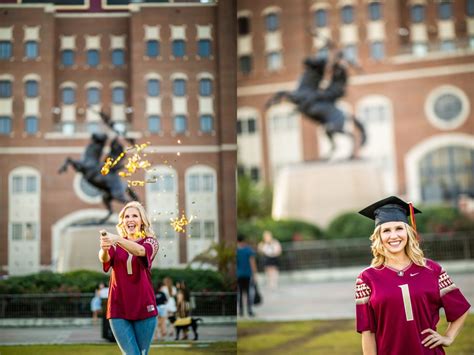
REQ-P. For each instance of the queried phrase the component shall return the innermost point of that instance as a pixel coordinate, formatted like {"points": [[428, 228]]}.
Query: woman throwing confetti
{"points": [[399, 296], [131, 305]]}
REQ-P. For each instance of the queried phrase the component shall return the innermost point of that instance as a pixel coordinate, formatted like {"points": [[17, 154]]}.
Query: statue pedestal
{"points": [[320, 191], [79, 248]]}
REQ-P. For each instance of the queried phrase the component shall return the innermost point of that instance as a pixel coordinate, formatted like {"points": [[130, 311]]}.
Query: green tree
{"points": [[253, 200]]}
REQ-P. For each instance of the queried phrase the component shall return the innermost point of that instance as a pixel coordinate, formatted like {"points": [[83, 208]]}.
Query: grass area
{"points": [[323, 337], [112, 349]]}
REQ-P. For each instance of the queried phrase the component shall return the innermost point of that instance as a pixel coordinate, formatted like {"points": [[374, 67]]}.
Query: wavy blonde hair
{"points": [[146, 229], [412, 249]]}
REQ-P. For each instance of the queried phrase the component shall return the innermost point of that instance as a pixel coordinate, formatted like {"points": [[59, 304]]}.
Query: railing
{"points": [[321, 254], [78, 305]]}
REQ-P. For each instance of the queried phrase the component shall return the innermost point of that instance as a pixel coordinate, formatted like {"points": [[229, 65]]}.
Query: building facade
{"points": [[163, 71], [413, 91]]}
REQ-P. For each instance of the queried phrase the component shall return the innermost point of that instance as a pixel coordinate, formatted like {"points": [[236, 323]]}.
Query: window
{"points": [[93, 96], [17, 184], [195, 228], [67, 57], [375, 11], [5, 49], [245, 64], [31, 49], [240, 170], [320, 18], [206, 123], [31, 88], [152, 48], [180, 124], [446, 173], [243, 24], [118, 57], [31, 184], [271, 22], [17, 231], [30, 231], [239, 126], [347, 14], [68, 128], [204, 48], [69, 96], [31, 124], [448, 107], [209, 229], [445, 10], [419, 49], [205, 87], [118, 95], [154, 124], [164, 183], [470, 8], [274, 61], [179, 87], [350, 53], [5, 88], [153, 87], [179, 48], [417, 13], [377, 50], [447, 46], [251, 125], [255, 174], [5, 125], [93, 127], [93, 57], [207, 183]]}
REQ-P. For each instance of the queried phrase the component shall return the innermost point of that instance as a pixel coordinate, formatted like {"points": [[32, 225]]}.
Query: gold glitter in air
{"points": [[178, 224], [134, 163]]}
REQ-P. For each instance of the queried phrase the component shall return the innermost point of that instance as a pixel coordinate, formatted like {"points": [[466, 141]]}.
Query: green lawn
{"points": [[112, 349], [323, 337]]}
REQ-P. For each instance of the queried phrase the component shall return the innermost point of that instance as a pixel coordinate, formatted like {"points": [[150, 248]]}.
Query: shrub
{"points": [[283, 230], [442, 219], [350, 225], [86, 281]]}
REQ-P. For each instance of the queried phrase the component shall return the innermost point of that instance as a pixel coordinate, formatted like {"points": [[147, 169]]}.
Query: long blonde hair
{"points": [[146, 229], [412, 248]]}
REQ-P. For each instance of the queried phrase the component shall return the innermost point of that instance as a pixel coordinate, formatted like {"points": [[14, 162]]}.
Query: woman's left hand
{"points": [[435, 339]]}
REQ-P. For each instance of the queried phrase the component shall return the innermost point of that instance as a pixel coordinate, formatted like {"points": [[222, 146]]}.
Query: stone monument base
{"points": [[320, 191]]}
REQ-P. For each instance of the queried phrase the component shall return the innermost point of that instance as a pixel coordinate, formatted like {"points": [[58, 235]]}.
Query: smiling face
{"points": [[394, 237], [132, 221]]}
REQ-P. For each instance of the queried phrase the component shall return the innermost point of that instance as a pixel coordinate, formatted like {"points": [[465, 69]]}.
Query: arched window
{"points": [[445, 173], [68, 95], [179, 87], [153, 87], [375, 11], [347, 14], [321, 18], [417, 13], [272, 22]]}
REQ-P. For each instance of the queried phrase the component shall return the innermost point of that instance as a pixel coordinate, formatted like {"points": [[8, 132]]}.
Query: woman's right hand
{"points": [[105, 242]]}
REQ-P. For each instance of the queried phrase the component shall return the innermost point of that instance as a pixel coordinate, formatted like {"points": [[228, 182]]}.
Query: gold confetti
{"points": [[178, 224]]}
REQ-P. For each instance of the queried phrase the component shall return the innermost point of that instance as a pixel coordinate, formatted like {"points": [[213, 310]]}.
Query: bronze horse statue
{"points": [[318, 104], [110, 185]]}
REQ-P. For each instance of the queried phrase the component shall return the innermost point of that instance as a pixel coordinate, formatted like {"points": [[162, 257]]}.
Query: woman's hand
{"points": [[435, 339], [107, 239]]}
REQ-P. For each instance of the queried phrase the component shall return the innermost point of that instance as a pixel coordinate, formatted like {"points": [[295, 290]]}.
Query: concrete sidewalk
{"points": [[92, 334], [329, 294]]}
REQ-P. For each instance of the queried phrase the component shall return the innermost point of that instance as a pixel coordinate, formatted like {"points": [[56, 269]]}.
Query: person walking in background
{"points": [[399, 296], [246, 274], [96, 306], [131, 305], [103, 291], [170, 291], [161, 300], [271, 250]]}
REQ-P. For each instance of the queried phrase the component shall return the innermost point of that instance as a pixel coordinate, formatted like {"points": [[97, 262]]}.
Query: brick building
{"points": [[163, 70], [414, 92]]}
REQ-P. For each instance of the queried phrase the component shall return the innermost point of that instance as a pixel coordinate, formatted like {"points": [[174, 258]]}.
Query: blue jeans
{"points": [[133, 336]]}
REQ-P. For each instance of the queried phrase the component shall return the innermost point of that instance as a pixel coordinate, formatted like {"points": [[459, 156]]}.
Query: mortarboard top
{"points": [[390, 209]]}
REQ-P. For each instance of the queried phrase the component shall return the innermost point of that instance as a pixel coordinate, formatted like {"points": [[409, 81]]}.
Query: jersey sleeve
{"points": [[365, 319], [454, 302], [107, 265], [151, 248]]}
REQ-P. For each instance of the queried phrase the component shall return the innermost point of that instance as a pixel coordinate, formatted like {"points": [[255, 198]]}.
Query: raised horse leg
{"points": [[107, 199]]}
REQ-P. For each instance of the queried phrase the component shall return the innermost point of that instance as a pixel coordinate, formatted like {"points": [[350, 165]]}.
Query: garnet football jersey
{"points": [[131, 294], [398, 306]]}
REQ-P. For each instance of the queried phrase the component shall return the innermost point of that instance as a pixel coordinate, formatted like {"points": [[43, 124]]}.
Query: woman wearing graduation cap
{"points": [[399, 296]]}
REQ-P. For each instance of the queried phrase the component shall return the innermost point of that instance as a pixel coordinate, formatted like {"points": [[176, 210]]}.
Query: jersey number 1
{"points": [[407, 301]]}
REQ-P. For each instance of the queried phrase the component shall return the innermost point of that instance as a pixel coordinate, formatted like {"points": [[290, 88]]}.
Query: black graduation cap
{"points": [[390, 209]]}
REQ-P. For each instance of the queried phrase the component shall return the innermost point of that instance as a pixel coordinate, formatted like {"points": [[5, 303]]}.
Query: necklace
{"points": [[398, 271]]}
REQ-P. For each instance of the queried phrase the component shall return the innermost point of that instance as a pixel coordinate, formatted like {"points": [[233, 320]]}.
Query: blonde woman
{"points": [[131, 306], [399, 296]]}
